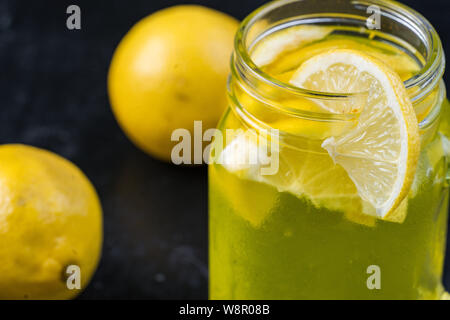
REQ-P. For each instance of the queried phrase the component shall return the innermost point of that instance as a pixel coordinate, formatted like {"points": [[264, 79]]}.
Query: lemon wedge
{"points": [[380, 154]]}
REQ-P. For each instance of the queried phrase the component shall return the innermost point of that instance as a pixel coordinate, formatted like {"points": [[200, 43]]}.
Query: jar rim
{"points": [[428, 78]]}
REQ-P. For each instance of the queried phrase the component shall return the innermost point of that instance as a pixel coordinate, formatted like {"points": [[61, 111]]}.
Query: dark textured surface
{"points": [[53, 95]]}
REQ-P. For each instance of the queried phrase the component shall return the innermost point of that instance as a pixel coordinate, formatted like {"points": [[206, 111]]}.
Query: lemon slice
{"points": [[303, 174], [274, 45], [380, 154]]}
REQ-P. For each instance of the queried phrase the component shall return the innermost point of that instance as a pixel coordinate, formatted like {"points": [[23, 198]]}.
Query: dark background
{"points": [[53, 95]]}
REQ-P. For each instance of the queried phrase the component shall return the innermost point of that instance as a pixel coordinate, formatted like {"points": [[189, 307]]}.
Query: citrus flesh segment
{"points": [[288, 62], [380, 154], [276, 44]]}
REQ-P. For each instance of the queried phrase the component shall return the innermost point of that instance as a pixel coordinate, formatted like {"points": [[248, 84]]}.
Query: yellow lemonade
{"points": [[305, 232]]}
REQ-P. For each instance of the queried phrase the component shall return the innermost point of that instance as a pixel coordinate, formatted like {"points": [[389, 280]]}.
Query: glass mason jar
{"points": [[302, 232]]}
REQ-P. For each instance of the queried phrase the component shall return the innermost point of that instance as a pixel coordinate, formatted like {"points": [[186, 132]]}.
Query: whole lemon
{"points": [[50, 219], [170, 70]]}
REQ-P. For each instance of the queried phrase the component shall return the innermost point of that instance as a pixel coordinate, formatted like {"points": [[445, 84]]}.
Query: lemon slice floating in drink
{"points": [[380, 154]]}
